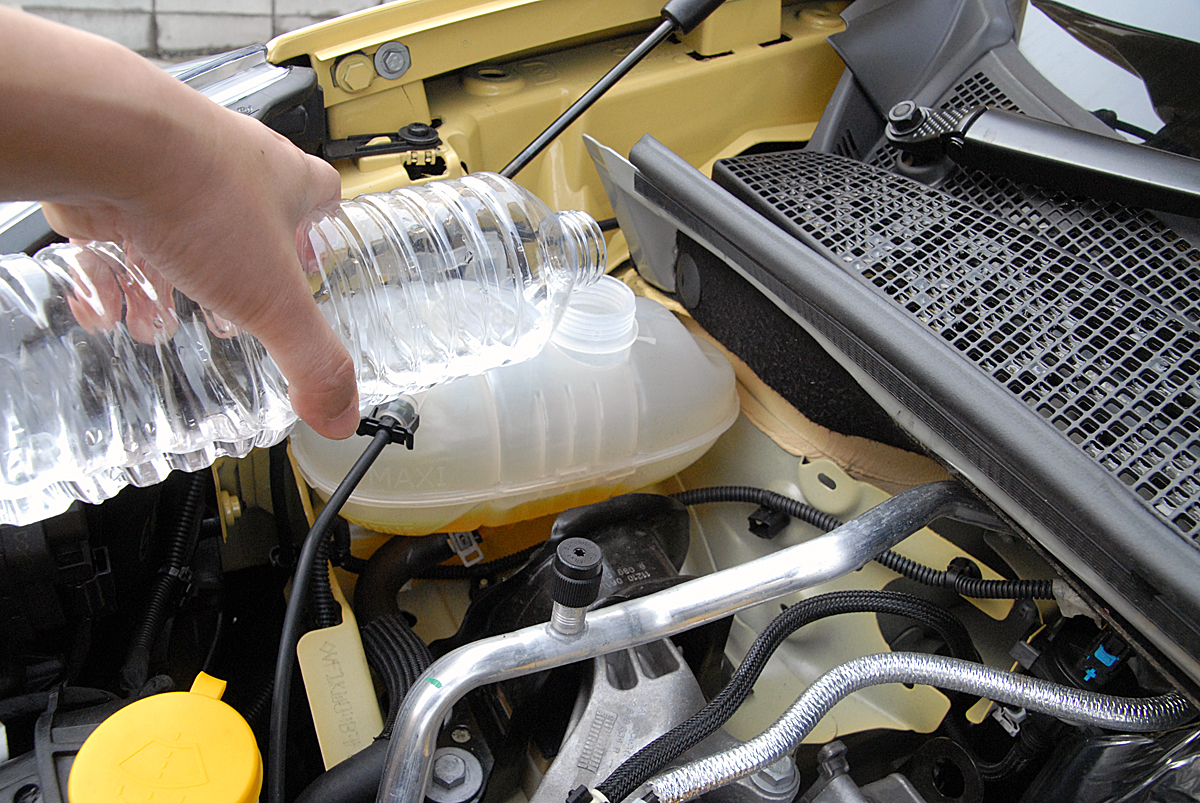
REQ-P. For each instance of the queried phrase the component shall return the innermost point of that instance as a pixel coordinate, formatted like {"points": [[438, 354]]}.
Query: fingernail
{"points": [[346, 423]]}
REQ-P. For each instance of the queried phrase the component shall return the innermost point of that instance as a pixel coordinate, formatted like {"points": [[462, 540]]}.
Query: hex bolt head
{"points": [[392, 60], [779, 778], [353, 73], [449, 771], [906, 116], [395, 61], [457, 776]]}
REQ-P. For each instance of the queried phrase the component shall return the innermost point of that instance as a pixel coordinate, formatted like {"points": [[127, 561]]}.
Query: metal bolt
{"points": [[392, 60], [779, 777], [457, 775], [906, 116], [395, 61], [449, 771], [460, 735], [353, 73]]}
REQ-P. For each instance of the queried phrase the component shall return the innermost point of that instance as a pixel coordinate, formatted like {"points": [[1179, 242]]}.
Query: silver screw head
{"points": [[449, 771], [778, 778], [392, 59]]}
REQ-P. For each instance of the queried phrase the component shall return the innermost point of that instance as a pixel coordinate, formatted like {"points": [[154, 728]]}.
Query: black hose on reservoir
{"points": [[638, 768], [273, 791], [959, 583], [400, 559], [477, 571]]}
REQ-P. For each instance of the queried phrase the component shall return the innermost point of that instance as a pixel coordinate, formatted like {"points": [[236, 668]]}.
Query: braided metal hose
{"points": [[1082, 707]]}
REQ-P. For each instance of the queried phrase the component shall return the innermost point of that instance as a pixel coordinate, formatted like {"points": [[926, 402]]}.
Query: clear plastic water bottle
{"points": [[107, 377]]}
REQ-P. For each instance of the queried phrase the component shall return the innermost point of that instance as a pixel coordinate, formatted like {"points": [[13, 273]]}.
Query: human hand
{"points": [[221, 226]]}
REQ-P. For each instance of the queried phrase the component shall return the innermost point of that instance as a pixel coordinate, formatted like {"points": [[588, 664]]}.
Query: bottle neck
{"points": [[583, 248]]}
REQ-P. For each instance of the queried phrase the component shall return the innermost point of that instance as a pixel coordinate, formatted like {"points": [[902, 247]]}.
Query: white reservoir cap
{"points": [[599, 319]]}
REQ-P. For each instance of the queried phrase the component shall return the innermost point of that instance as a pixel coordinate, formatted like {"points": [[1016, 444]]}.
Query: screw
{"points": [[449, 771], [906, 117], [779, 777], [395, 61], [353, 73], [392, 60], [460, 735]]}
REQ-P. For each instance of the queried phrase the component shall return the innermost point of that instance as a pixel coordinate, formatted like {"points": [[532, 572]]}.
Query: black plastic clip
{"points": [[768, 523], [399, 418], [412, 137]]}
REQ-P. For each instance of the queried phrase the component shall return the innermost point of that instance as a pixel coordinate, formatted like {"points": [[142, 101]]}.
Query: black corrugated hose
{"points": [[959, 583], [638, 768], [326, 611], [181, 548], [398, 655], [963, 584], [760, 496]]}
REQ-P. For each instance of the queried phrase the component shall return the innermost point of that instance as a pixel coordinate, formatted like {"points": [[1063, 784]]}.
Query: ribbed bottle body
{"points": [[446, 279], [109, 377]]}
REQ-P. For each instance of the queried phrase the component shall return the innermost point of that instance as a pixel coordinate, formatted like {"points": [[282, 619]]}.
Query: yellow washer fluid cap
{"points": [[178, 747]]}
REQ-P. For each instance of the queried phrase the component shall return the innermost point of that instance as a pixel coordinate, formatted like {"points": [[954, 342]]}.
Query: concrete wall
{"points": [[172, 28]]}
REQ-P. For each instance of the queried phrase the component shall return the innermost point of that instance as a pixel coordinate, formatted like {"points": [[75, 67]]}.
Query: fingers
{"points": [[319, 370]]}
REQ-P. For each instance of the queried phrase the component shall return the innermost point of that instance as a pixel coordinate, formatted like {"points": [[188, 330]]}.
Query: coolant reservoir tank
{"points": [[622, 397], [179, 746]]}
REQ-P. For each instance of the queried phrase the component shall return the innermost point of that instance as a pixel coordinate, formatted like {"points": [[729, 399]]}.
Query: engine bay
{"points": [[885, 491]]}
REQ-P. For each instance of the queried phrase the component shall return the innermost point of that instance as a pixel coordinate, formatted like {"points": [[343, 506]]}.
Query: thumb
{"points": [[319, 370]]}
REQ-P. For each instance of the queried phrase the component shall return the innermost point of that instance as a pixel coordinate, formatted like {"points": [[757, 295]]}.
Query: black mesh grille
{"points": [[1131, 244], [1106, 350]]}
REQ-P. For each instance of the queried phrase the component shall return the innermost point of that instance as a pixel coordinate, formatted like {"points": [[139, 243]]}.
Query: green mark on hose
{"points": [[437, 684]]}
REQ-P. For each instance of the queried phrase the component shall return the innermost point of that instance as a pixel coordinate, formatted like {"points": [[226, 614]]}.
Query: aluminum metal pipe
{"points": [[685, 606]]}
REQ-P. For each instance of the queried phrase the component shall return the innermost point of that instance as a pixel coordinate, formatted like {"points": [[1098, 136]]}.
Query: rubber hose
{"points": [[1028, 745], [68, 697], [967, 586], [1143, 715], [181, 546], [397, 654], [639, 767], [760, 496], [279, 470], [960, 584], [481, 570], [395, 563], [352, 780], [326, 611]]}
